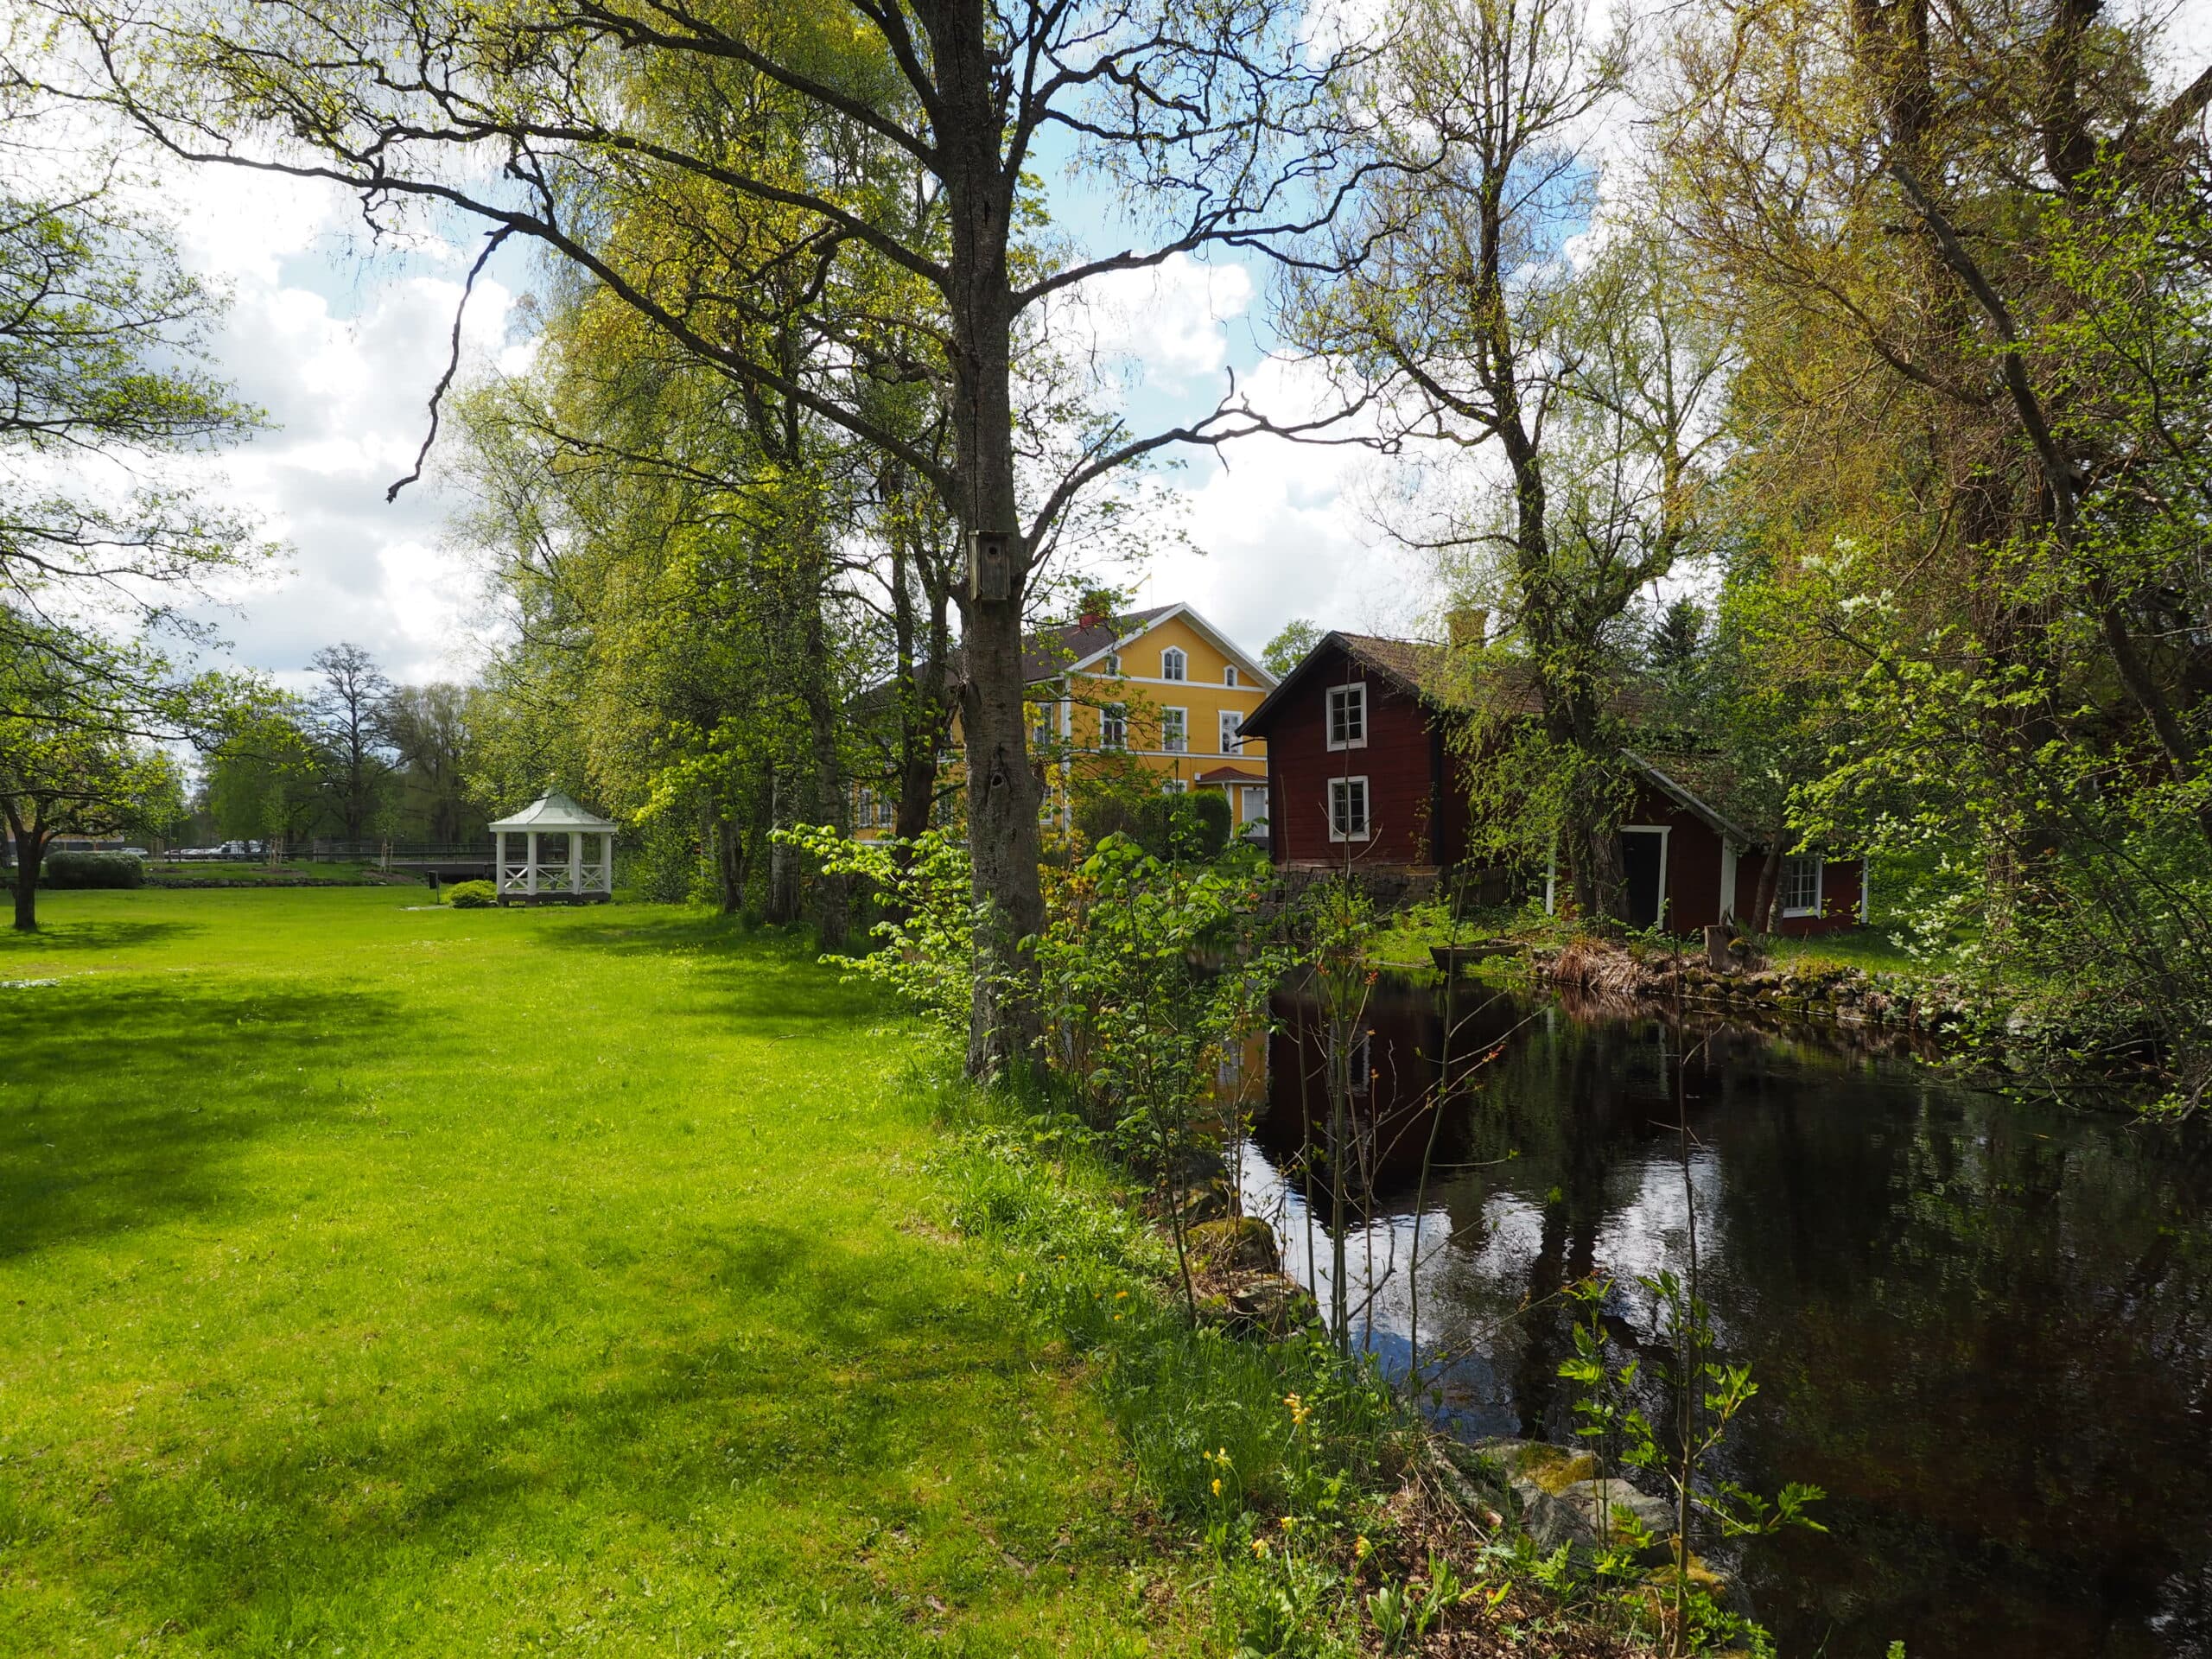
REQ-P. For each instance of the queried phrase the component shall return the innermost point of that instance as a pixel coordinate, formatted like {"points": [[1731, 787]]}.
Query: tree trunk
{"points": [[832, 893], [1002, 840], [1770, 891], [30, 854], [783, 903]]}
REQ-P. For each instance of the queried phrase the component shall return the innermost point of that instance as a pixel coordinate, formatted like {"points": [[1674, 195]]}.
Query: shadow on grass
{"points": [[123, 1100], [53, 938], [762, 977], [834, 1381]]}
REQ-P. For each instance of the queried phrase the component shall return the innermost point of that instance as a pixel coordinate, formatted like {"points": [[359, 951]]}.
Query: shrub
{"points": [[92, 870], [471, 895]]}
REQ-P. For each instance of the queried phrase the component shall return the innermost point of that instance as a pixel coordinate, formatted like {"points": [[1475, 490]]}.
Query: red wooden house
{"points": [[1361, 773]]}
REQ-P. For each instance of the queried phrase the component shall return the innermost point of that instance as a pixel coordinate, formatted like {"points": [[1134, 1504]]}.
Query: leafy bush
{"points": [[471, 895], [662, 860], [1191, 827], [92, 870]]}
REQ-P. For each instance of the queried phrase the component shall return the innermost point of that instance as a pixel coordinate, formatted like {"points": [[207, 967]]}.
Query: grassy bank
{"points": [[432, 1281]]}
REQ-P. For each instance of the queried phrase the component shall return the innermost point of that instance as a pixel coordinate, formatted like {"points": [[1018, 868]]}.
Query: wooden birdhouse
{"points": [[990, 565]]}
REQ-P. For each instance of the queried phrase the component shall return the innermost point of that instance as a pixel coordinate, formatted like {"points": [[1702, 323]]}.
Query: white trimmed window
{"points": [[887, 812], [1348, 716], [867, 814], [1348, 809], [1256, 802], [1114, 727], [1801, 886], [1048, 729], [1175, 730], [1175, 787], [1173, 664], [1232, 732], [1114, 662], [1229, 675]]}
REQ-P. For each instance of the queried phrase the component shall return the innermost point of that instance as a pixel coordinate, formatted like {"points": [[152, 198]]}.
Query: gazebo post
{"points": [[530, 882], [575, 863], [499, 865]]}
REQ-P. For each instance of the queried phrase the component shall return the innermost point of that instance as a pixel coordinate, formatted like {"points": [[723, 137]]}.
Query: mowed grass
{"points": [[389, 1281]]}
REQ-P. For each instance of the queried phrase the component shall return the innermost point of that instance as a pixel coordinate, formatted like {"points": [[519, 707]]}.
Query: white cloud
{"points": [[1170, 320], [1280, 531], [341, 345]]}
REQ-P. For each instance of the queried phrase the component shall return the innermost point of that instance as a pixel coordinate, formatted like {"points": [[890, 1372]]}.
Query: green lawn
{"points": [[481, 1282]]}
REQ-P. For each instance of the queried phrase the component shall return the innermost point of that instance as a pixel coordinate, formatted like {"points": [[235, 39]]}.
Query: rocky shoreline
{"points": [[1844, 995]]}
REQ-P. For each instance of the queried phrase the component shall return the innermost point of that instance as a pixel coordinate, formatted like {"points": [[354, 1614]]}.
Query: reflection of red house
{"points": [[1361, 773]]}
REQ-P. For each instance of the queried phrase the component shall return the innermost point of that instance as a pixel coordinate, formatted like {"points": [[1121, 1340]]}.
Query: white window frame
{"points": [[1346, 697], [1178, 741], [1232, 733], [1114, 726], [1175, 787], [1113, 663], [1175, 664], [1366, 830], [1245, 793], [1229, 675], [1819, 883]]}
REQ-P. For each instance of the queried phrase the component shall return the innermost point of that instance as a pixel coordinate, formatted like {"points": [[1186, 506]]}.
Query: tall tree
{"points": [[1590, 390], [349, 712], [74, 759], [429, 729], [818, 153]]}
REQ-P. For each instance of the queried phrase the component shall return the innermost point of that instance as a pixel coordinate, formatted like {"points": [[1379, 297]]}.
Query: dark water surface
{"points": [[1984, 1327]]}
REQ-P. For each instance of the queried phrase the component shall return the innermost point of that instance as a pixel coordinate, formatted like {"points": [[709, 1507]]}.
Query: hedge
{"points": [[92, 870]]}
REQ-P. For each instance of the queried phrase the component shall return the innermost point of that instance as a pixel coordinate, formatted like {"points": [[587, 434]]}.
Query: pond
{"points": [[1984, 1327]]}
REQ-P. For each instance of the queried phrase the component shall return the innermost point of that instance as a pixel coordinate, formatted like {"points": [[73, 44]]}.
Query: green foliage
{"points": [[1288, 648], [471, 895], [1709, 1395], [926, 954], [92, 870]]}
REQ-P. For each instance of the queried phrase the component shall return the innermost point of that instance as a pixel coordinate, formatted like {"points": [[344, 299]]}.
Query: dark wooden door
{"points": [[1643, 865]]}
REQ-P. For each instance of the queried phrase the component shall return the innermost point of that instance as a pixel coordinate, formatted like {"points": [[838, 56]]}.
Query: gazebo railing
{"points": [[574, 872]]}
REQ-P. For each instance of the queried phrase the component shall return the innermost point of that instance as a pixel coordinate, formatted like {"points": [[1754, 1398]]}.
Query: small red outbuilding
{"points": [[1362, 773]]}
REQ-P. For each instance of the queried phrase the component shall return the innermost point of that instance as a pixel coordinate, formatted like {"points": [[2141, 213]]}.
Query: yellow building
{"points": [[1163, 690]]}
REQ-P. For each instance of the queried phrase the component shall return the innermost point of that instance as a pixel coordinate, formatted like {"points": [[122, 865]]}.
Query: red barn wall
{"points": [[1840, 886], [1395, 762]]}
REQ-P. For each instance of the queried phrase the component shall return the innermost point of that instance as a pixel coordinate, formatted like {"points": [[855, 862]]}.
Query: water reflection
{"points": [[1985, 1328]]}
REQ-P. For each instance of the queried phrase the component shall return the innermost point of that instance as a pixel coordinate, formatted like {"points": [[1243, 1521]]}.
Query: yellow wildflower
{"points": [[1289, 1522], [1120, 1295], [1360, 1548], [1217, 1485], [1260, 1549]]}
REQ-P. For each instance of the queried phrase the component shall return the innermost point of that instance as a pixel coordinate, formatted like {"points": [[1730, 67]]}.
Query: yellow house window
{"points": [[1173, 664]]}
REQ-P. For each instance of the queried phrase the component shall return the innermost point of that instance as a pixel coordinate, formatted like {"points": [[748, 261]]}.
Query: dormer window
{"points": [[1173, 664], [1113, 661], [1229, 675]]}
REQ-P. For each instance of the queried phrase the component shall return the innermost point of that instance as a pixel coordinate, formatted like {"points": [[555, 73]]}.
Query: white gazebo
{"points": [[555, 874]]}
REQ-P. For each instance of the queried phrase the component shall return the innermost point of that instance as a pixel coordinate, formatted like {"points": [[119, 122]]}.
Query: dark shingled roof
{"points": [[1048, 651]]}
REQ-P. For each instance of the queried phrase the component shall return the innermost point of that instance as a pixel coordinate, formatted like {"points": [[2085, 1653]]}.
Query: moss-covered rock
{"points": [[1233, 1244]]}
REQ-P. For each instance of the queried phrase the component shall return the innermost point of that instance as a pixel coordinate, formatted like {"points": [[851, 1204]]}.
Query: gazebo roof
{"points": [[554, 811]]}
